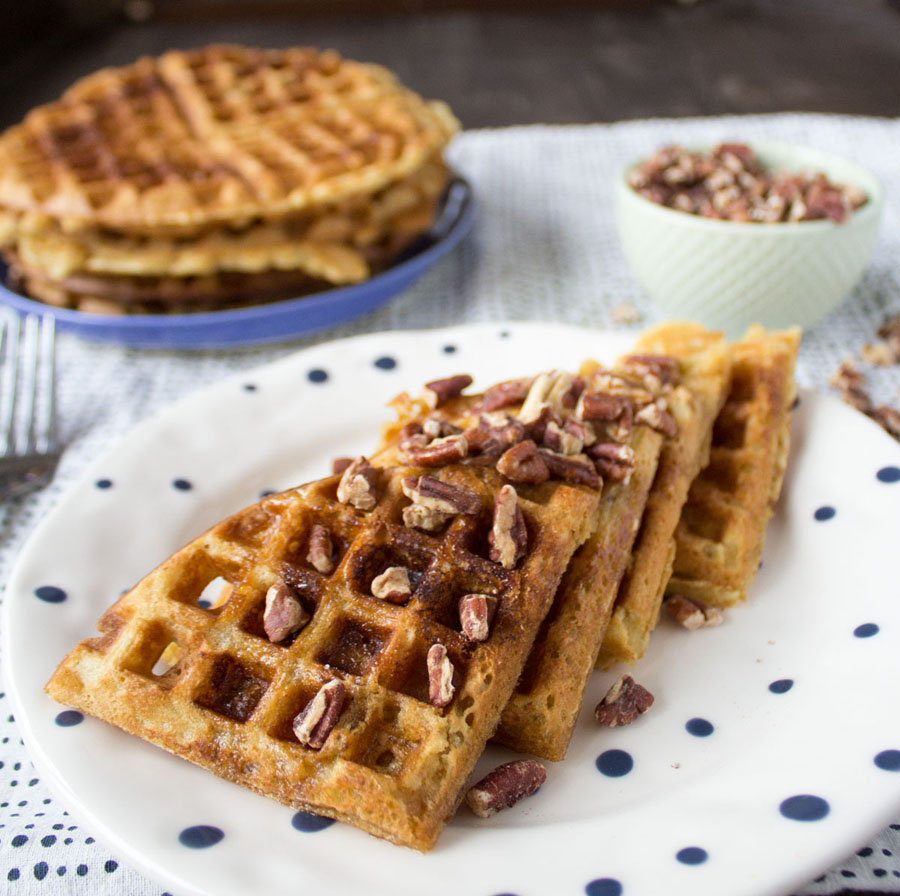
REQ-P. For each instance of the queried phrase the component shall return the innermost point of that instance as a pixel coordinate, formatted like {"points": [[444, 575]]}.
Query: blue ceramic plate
{"points": [[276, 321]]}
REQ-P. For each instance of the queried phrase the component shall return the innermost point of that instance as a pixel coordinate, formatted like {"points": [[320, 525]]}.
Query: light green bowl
{"points": [[727, 274]]}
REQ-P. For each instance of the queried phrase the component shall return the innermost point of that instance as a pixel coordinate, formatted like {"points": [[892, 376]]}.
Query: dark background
{"points": [[498, 62]]}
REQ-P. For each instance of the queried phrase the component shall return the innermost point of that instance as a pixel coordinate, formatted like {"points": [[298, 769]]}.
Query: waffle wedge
{"points": [[407, 730], [705, 370], [722, 528]]}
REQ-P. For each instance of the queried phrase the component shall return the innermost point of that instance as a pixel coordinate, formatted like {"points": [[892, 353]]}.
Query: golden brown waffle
{"points": [[705, 375], [395, 763], [219, 134], [722, 528], [541, 714]]}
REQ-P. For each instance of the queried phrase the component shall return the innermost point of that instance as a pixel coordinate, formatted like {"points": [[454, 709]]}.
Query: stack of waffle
{"points": [[219, 176], [376, 627]]}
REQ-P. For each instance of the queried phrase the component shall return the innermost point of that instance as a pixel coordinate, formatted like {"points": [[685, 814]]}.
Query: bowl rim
{"points": [[873, 189]]}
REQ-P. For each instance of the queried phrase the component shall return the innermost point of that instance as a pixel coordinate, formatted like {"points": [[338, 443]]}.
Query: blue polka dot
{"points": [[310, 823], [40, 870], [110, 866], [692, 855], [19, 840], [49, 840], [888, 474], [449, 349], [249, 387], [13, 874], [614, 763], [504, 334], [879, 872], [183, 485], [604, 886], [888, 760], [200, 836], [804, 807], [317, 375], [69, 717], [386, 363], [699, 727], [61, 870], [824, 513], [81, 870], [781, 686], [866, 630], [865, 852], [103, 483], [51, 594]]}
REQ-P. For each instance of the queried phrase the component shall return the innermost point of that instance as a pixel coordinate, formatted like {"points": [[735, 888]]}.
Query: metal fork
{"points": [[28, 447]]}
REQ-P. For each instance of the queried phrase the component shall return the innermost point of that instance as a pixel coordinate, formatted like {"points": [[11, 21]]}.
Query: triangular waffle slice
{"points": [[722, 528], [704, 368], [425, 580]]}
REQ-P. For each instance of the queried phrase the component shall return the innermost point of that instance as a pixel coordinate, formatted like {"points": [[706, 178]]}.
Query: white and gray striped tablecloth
{"points": [[544, 247]]}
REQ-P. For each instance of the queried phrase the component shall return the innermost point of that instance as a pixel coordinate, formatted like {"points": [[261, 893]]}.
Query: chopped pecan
{"points": [[436, 453], [392, 585], [439, 392], [577, 468], [881, 353], [284, 614], [505, 395], [581, 430], [613, 461], [561, 440], [339, 464], [663, 369], [536, 428], [601, 406], [508, 537], [657, 418], [434, 428], [505, 786], [357, 485], [440, 676], [887, 418], [442, 496], [522, 463], [476, 612], [692, 613], [321, 549], [494, 433], [889, 327], [623, 703], [551, 390], [851, 381], [317, 719]]}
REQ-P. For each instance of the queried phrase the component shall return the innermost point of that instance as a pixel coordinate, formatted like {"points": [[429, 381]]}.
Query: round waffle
{"points": [[217, 134]]}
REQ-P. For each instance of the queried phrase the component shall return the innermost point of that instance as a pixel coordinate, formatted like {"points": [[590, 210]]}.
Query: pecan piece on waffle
{"points": [[505, 395], [392, 585], [613, 461], [576, 469], [476, 612], [601, 406], [656, 417], [435, 428], [562, 440], [551, 390], [494, 433], [691, 613], [317, 719], [358, 484], [339, 464], [321, 549], [523, 463], [505, 786], [439, 392], [435, 501], [623, 703], [662, 369], [436, 452], [440, 676], [284, 614], [581, 430], [508, 537]]}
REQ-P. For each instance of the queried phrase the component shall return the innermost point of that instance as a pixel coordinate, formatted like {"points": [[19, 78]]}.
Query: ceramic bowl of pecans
{"points": [[732, 234]]}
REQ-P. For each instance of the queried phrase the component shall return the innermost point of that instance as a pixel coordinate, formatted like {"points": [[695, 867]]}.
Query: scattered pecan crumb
{"points": [[440, 676], [357, 485], [691, 613], [439, 392], [392, 585], [505, 786], [623, 703], [321, 549], [476, 612], [317, 719], [284, 614]]}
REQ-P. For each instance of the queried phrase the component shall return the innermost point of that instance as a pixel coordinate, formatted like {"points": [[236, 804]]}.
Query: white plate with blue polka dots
{"points": [[771, 752]]}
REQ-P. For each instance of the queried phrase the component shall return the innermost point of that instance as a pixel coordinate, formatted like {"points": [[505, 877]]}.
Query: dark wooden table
{"points": [[612, 62]]}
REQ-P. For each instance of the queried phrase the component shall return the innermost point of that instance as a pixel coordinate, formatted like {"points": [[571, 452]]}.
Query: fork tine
{"points": [[45, 418], [27, 394], [8, 381]]}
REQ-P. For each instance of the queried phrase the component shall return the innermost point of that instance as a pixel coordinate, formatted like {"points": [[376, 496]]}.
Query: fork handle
{"points": [[19, 475]]}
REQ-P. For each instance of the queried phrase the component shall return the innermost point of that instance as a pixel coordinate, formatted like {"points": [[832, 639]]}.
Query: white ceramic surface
{"points": [[831, 735], [728, 274]]}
